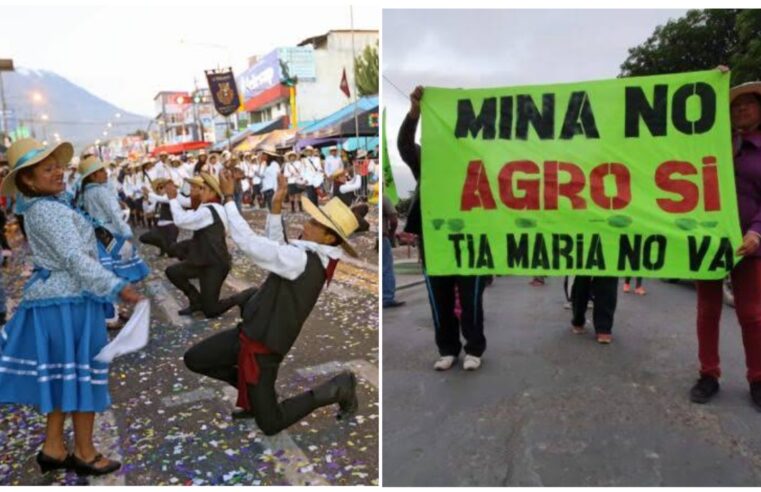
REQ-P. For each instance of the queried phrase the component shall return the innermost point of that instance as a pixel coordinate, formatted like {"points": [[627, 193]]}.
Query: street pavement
{"points": [[171, 426], [551, 408]]}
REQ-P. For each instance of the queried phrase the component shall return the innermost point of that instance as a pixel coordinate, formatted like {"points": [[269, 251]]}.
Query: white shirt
{"points": [[333, 165], [159, 171], [270, 252], [194, 220], [257, 170], [353, 185], [313, 172], [156, 199], [293, 171], [269, 180]]}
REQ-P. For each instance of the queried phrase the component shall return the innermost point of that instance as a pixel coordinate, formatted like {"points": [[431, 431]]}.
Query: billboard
{"points": [[267, 72]]}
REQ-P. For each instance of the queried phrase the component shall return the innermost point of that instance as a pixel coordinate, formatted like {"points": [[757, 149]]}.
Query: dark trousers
{"points": [[210, 279], [441, 294], [217, 357], [268, 198], [605, 292], [311, 193], [180, 250], [163, 237]]}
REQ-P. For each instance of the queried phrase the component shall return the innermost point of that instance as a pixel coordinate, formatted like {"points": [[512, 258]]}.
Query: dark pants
{"points": [[217, 357], [441, 293], [605, 292], [210, 279], [268, 198], [163, 237], [311, 193], [180, 250]]}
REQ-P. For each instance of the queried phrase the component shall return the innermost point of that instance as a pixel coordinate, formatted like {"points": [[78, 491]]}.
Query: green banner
{"points": [[624, 177], [389, 186]]}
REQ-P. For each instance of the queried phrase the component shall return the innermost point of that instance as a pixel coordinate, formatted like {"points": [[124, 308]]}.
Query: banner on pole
{"points": [[223, 90], [624, 177]]}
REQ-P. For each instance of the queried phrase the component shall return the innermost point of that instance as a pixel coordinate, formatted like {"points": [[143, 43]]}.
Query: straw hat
{"points": [[27, 152], [90, 165], [159, 182], [361, 153], [337, 217], [270, 151], [291, 153], [746, 88], [206, 179]]}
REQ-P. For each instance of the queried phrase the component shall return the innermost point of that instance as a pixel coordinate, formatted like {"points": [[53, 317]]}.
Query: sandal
{"points": [[83, 468]]}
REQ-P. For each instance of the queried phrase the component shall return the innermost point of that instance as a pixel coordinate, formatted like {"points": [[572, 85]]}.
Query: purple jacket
{"points": [[747, 150]]}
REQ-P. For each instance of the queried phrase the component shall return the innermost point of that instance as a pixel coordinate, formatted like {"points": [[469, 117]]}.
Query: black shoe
{"points": [[83, 468], [755, 394], [347, 395], [2, 319], [705, 389], [394, 304], [240, 413], [188, 311], [48, 463]]}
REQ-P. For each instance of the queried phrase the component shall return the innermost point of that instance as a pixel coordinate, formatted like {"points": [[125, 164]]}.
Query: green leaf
{"points": [[619, 221], [525, 223], [437, 223], [686, 224], [709, 224], [455, 225]]}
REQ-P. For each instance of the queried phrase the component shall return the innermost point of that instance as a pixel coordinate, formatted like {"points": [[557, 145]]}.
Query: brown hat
{"points": [[337, 217], [27, 152]]}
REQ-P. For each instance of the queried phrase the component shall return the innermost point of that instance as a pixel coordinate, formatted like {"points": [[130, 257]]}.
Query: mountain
{"points": [[74, 113]]}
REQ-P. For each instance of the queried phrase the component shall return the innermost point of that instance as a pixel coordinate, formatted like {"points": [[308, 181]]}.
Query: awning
{"points": [[180, 148], [252, 129], [341, 123], [275, 138]]}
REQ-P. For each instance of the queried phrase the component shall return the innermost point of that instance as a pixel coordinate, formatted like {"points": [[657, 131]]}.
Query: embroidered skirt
{"points": [[46, 356], [132, 269]]}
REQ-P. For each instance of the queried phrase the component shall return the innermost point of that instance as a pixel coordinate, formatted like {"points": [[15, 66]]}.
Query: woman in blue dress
{"points": [[47, 349], [98, 199]]}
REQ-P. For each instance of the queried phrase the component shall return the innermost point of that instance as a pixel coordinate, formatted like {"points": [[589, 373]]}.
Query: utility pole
{"points": [[6, 65]]}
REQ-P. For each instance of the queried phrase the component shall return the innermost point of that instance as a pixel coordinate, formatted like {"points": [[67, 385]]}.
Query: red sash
{"points": [[248, 368]]}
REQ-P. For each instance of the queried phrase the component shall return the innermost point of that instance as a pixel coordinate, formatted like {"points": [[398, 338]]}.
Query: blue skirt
{"points": [[132, 269], [46, 356]]}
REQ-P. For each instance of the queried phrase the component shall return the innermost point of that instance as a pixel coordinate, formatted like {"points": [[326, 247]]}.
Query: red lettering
{"points": [[711, 193], [572, 188], [623, 186], [530, 200], [686, 189], [476, 191]]}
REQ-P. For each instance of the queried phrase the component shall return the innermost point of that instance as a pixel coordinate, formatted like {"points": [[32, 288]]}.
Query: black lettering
{"points": [[629, 252], [637, 106], [579, 119], [505, 117], [484, 253], [596, 258], [517, 253], [543, 123], [697, 254], [540, 259], [456, 238], [658, 242], [564, 250], [723, 260], [468, 122], [471, 252], [707, 108]]}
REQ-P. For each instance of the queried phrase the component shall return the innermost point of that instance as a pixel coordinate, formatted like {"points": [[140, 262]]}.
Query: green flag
{"points": [[624, 177], [389, 187]]}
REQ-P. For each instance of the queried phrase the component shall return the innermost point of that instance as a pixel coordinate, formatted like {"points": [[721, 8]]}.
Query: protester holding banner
{"points": [[249, 356], [50, 343], [390, 223], [745, 114], [604, 291], [441, 289]]}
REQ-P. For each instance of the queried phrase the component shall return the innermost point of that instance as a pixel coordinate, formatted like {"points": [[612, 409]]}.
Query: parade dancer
{"points": [[49, 344], [248, 356], [164, 234], [293, 172], [314, 175], [207, 258], [270, 175], [98, 199]]}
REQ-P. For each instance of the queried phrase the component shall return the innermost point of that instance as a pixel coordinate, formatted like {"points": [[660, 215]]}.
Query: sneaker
{"points": [[604, 338], [640, 291], [471, 362], [755, 394], [444, 363], [578, 330], [394, 304], [705, 389], [627, 288]]}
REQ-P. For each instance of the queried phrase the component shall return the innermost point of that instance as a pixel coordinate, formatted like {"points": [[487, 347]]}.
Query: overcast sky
{"points": [[483, 48], [126, 55]]}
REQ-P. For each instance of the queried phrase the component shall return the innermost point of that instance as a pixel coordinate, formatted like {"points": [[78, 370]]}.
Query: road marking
{"points": [[108, 443], [186, 397], [167, 303], [362, 368], [293, 461]]}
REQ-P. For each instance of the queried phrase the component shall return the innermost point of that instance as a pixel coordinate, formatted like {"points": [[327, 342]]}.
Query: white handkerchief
{"points": [[132, 337]]}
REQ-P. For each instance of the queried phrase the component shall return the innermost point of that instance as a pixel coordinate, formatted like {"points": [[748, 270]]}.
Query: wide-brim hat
{"points": [[145, 162], [291, 153], [90, 165], [159, 182], [213, 183], [309, 147], [27, 152], [270, 151], [746, 88], [202, 152], [337, 217], [361, 153]]}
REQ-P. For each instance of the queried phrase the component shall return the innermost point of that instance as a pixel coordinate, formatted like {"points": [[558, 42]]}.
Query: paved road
{"points": [[171, 426], [551, 408]]}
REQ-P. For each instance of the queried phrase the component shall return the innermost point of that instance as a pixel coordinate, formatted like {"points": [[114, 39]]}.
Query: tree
{"points": [[366, 71], [701, 40]]}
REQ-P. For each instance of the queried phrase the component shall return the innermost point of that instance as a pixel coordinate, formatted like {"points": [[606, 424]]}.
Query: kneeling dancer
{"points": [[249, 355]]}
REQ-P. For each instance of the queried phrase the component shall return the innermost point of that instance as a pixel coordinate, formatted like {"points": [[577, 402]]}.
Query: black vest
{"points": [[165, 213], [276, 314], [208, 246]]}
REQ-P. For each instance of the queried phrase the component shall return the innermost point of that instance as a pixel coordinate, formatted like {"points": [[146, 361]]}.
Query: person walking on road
{"points": [[441, 289], [604, 291], [389, 279], [745, 116]]}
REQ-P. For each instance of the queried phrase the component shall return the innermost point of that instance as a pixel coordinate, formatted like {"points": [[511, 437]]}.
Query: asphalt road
{"points": [[551, 408], [170, 426]]}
